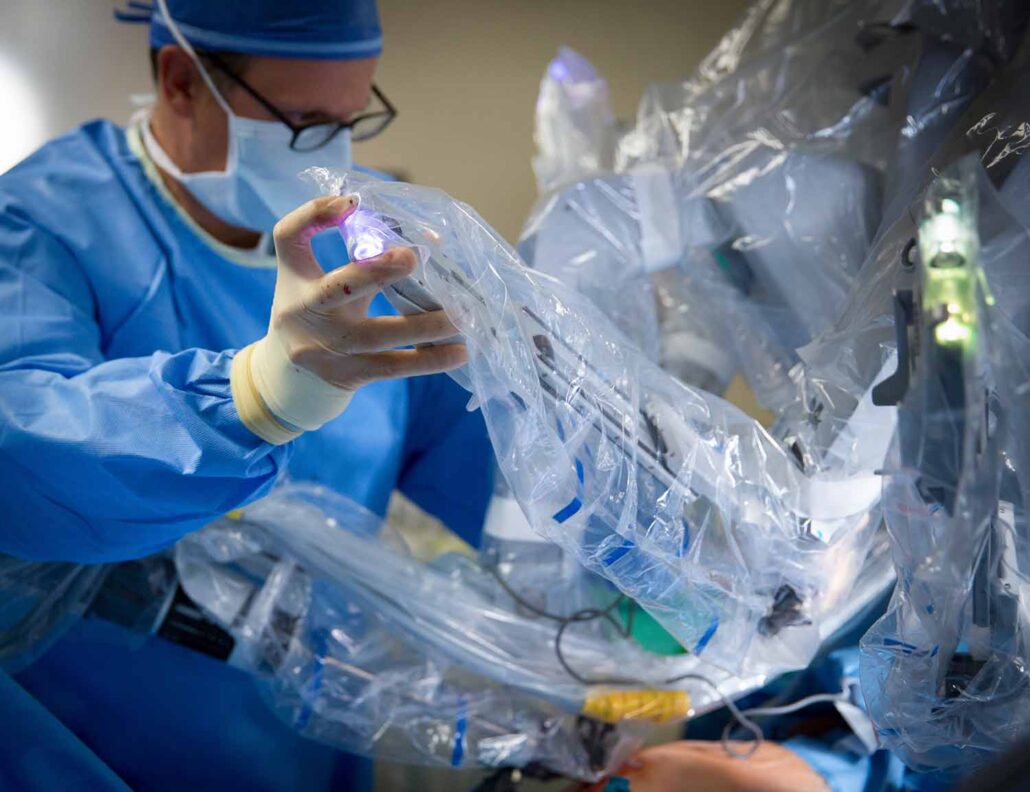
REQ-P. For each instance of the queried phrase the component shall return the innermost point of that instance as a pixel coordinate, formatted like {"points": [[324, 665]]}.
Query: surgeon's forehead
{"points": [[337, 87]]}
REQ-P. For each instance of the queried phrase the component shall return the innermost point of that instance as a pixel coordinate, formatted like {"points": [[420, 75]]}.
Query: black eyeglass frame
{"points": [[388, 114]]}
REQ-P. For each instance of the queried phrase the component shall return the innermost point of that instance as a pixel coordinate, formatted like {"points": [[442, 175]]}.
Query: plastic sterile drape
{"points": [[755, 218], [359, 645], [690, 507], [945, 671], [804, 307], [741, 206]]}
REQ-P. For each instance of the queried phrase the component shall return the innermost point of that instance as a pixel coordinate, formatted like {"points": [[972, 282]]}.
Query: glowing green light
{"points": [[952, 331], [949, 247]]}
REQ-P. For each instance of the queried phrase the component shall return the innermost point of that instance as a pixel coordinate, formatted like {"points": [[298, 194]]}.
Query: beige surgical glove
{"points": [[321, 344]]}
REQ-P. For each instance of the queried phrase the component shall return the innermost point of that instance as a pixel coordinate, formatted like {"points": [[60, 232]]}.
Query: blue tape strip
{"points": [[903, 645], [573, 506], [460, 727], [616, 553], [704, 639], [308, 697], [576, 503]]}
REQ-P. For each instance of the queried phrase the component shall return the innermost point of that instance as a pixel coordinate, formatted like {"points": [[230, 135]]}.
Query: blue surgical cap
{"points": [[325, 29]]}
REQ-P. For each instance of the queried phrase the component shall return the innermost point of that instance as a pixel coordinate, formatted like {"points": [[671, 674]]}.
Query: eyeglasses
{"points": [[309, 137]]}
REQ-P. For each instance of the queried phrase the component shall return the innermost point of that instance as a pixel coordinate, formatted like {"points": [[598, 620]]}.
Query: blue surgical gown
{"points": [[118, 435]]}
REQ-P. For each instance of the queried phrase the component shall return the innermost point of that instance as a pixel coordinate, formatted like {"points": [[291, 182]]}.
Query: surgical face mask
{"points": [[261, 181]]}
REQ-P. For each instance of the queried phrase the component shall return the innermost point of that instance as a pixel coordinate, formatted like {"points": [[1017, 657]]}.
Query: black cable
{"points": [[625, 631], [577, 617], [586, 614]]}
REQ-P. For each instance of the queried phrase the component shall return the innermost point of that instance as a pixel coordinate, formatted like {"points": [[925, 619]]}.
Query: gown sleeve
{"points": [[104, 460]]}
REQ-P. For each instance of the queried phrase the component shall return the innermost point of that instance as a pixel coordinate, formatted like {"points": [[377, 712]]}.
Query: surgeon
{"points": [[171, 345]]}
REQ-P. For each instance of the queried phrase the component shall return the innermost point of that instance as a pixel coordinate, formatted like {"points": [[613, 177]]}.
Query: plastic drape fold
{"points": [[677, 497], [742, 205], [357, 644], [945, 671], [39, 602]]}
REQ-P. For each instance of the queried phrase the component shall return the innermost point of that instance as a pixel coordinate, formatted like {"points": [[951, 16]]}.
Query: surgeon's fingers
{"points": [[360, 279], [292, 234], [407, 363], [351, 372], [389, 332]]}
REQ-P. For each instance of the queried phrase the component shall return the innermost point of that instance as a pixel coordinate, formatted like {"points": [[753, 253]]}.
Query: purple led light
{"points": [[571, 67], [366, 246], [558, 71], [365, 235]]}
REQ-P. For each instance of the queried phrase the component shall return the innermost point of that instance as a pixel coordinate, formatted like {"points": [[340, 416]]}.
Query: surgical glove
{"points": [[321, 345]]}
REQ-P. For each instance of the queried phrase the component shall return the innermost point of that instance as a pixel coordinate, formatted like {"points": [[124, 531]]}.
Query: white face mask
{"points": [[261, 181]]}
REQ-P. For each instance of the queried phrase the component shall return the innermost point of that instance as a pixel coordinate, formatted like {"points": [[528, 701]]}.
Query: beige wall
{"points": [[463, 73]]}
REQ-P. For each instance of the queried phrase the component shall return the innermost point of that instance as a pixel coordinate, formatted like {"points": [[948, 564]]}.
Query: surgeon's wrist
{"points": [[251, 405], [277, 399]]}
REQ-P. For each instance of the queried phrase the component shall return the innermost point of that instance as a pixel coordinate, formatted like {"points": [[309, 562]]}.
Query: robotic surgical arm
{"points": [[944, 671], [683, 502], [742, 543]]}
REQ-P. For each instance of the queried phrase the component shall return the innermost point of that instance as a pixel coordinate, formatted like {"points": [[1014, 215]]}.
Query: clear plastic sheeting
{"points": [[598, 251], [575, 126], [38, 602], [361, 646], [677, 497], [595, 248], [746, 199], [759, 217], [619, 240], [945, 671], [357, 644]]}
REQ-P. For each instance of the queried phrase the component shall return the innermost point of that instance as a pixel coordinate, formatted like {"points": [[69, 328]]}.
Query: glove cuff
{"points": [[251, 406], [298, 399]]}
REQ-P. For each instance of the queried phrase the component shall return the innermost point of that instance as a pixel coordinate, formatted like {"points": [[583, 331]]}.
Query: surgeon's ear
{"points": [[178, 80]]}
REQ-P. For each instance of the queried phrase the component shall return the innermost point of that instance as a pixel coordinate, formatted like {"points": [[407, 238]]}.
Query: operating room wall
{"points": [[463, 74]]}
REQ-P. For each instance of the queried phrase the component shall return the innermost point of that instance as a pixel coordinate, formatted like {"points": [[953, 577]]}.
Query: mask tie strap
{"points": [[173, 28]]}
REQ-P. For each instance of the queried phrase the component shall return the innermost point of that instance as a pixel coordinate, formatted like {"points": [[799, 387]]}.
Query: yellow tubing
{"points": [[658, 706]]}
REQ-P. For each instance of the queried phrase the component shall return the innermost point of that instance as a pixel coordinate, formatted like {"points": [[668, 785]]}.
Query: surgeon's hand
{"points": [[703, 766], [321, 344]]}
